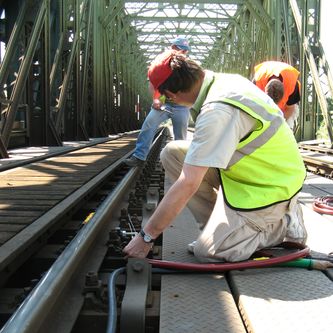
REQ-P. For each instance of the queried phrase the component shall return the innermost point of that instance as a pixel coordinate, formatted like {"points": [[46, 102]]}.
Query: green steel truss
{"points": [[76, 69]]}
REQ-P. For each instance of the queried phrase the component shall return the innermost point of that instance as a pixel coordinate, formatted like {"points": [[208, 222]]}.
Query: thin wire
{"points": [[131, 225]]}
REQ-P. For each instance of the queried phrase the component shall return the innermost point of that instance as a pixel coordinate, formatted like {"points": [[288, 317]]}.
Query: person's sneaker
{"points": [[296, 231], [133, 161], [190, 247]]}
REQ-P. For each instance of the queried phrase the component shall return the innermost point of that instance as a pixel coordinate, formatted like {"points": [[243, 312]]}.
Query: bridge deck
{"points": [[265, 300], [196, 302], [275, 299]]}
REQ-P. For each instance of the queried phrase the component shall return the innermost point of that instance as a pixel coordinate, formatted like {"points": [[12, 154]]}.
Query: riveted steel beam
{"points": [[96, 55], [23, 73]]}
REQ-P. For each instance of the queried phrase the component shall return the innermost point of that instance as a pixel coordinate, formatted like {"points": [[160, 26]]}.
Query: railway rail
{"points": [[58, 221], [318, 159], [40, 197]]}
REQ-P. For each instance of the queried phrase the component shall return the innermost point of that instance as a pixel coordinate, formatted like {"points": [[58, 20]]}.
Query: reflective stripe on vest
{"points": [[276, 121], [257, 142]]}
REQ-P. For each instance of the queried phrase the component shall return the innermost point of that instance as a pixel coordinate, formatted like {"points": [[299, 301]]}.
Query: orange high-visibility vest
{"points": [[264, 71]]}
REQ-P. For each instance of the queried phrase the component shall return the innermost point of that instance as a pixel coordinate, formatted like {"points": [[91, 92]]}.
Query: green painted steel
{"points": [[75, 69]]}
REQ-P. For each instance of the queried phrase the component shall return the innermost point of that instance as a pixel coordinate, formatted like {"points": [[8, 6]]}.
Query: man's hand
{"points": [[137, 248], [157, 104], [170, 206]]}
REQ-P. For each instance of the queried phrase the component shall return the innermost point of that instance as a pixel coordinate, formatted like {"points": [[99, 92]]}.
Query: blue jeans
{"points": [[177, 113]]}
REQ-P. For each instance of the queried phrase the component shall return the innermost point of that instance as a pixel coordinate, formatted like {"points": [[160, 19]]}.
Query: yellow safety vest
{"points": [[266, 167]]}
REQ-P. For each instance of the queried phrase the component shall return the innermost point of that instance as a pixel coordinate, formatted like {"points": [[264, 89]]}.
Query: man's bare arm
{"points": [[170, 206], [289, 110]]}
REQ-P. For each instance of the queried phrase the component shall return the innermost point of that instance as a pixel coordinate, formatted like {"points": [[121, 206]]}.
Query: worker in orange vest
{"points": [[280, 81]]}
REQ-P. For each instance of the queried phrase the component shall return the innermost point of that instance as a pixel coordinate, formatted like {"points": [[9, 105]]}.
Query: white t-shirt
{"points": [[218, 130]]}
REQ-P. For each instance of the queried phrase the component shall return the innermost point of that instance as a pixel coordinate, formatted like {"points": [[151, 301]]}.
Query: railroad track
{"points": [[318, 159], [55, 271], [50, 265], [317, 148]]}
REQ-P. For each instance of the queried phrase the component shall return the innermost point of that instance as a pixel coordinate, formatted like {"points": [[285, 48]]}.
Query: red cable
{"points": [[222, 267], [323, 205]]}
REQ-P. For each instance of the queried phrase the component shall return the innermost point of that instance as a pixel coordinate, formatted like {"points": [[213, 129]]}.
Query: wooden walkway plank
{"points": [[29, 192]]}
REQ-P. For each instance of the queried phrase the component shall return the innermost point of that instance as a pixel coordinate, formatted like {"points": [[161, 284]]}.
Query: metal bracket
{"points": [[150, 205], [133, 308]]}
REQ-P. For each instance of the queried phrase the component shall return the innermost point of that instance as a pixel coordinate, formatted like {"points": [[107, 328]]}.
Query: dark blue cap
{"points": [[181, 43]]}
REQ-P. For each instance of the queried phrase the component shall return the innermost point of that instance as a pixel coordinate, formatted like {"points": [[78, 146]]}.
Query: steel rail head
{"points": [[33, 312]]}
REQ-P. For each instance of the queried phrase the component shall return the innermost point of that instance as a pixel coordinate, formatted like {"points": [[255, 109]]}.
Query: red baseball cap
{"points": [[159, 70]]}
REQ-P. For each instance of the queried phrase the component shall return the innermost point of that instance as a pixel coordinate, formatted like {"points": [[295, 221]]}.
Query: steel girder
{"points": [[24, 72], [78, 67], [317, 83], [74, 75], [123, 69], [234, 36]]}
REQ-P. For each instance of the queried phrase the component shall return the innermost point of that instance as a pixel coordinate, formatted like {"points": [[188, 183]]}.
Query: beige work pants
{"points": [[226, 234]]}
